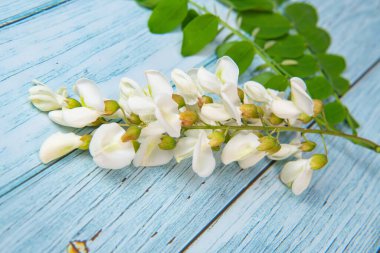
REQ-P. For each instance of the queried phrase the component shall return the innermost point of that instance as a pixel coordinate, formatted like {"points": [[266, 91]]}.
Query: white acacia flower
{"points": [[257, 92], [243, 149], [92, 109], [107, 148], [150, 154], [59, 144], [223, 83], [286, 151], [301, 102], [187, 87], [297, 175], [203, 157], [154, 104], [215, 112], [46, 99]]}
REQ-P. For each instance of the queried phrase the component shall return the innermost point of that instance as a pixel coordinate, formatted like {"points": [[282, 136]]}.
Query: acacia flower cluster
{"points": [[205, 113]]}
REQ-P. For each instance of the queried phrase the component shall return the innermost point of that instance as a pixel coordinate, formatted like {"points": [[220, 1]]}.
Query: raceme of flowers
{"points": [[205, 113]]}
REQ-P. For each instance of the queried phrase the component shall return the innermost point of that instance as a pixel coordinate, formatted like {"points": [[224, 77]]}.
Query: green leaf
{"points": [[277, 82], [263, 77], [254, 5], [148, 3], [317, 39], [319, 87], [303, 15], [292, 46], [265, 25], [167, 15], [241, 52], [305, 67], [198, 33], [335, 112], [340, 84], [191, 14], [332, 65]]}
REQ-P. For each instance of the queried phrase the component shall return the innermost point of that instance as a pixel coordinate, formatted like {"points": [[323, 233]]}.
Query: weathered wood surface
{"points": [[42, 207]]}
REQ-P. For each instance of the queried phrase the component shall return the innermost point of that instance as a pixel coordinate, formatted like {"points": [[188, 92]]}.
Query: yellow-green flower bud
{"points": [[167, 142], [216, 139], [318, 107], [72, 103], [307, 146], [136, 145], [98, 122], [269, 144], [274, 120], [204, 100], [250, 111], [131, 134], [110, 107], [304, 118], [188, 118], [318, 161], [179, 100], [240, 94], [86, 139], [134, 119]]}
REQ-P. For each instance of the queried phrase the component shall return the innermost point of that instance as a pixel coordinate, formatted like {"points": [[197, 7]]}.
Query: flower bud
{"points": [[318, 161], [136, 145], [318, 106], [307, 146], [86, 139], [179, 100], [110, 107], [304, 118], [97, 122], [72, 103], [269, 144], [134, 119], [204, 100], [188, 118], [216, 139], [240, 94], [274, 120], [131, 134], [167, 143], [250, 111]]}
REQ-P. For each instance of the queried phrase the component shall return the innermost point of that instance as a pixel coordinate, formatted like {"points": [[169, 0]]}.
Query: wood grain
{"points": [[338, 213], [42, 208]]}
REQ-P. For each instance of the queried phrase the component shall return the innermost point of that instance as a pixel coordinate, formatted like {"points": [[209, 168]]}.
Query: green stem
{"points": [[268, 60], [358, 140]]}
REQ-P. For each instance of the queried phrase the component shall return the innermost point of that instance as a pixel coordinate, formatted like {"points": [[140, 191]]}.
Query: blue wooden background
{"points": [[169, 208]]}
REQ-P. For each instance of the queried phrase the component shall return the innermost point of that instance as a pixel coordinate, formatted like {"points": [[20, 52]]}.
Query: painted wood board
{"points": [[338, 213], [68, 73]]}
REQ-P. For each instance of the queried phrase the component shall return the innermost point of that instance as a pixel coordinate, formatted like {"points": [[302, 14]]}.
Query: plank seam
{"points": [[266, 168]]}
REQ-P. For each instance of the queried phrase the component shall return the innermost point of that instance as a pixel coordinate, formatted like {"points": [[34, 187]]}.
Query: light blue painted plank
{"points": [[14, 11], [339, 213], [72, 199]]}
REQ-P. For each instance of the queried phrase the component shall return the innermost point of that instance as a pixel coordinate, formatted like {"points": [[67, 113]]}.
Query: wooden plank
{"points": [[339, 213], [158, 208], [15, 11]]}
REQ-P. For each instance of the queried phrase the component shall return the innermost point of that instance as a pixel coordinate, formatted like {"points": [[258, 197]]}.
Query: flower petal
{"points": [[185, 86], [240, 147], [231, 100], [90, 94], [286, 151], [215, 112], [292, 170], [285, 109], [184, 148], [59, 144], [141, 105], [129, 87], [252, 159], [299, 96], [257, 92], [149, 154], [203, 158], [227, 71], [79, 117], [107, 149], [154, 128], [158, 84], [208, 81], [168, 115], [301, 183]]}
